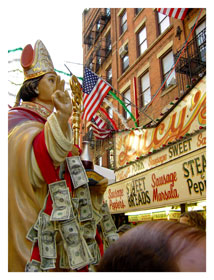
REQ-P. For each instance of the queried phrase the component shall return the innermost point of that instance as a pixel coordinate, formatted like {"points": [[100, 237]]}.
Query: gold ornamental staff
{"points": [[77, 107]]}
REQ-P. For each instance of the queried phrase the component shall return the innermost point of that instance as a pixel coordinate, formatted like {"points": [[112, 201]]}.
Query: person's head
{"points": [[161, 246], [39, 76], [122, 229], [194, 219]]}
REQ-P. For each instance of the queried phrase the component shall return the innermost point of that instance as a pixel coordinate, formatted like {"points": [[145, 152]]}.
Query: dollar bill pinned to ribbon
{"points": [[62, 207], [77, 171]]}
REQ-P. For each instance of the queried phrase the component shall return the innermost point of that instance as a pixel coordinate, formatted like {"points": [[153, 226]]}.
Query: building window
{"points": [[99, 60], [163, 22], [138, 10], [90, 65], [111, 159], [108, 43], [142, 40], [123, 22], [200, 32], [125, 62], [167, 64], [98, 25], [127, 101], [109, 75], [145, 95], [108, 12]]}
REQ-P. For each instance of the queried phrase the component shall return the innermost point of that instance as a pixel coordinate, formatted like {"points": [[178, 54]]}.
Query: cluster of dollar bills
{"points": [[69, 232]]}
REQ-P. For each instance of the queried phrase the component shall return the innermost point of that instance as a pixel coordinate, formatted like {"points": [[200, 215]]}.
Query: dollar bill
{"points": [[97, 216], [85, 206], [112, 237], [32, 234], [104, 210], [89, 229], [46, 240], [75, 203], [47, 264], [33, 266], [108, 225], [36, 225], [95, 251], [74, 244], [85, 212], [62, 207], [63, 261], [77, 171]]}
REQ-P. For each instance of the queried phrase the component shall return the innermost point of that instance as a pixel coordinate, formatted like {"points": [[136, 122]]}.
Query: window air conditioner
{"points": [[123, 50]]}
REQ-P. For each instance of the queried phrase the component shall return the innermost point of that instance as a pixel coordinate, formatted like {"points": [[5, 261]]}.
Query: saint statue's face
{"points": [[46, 87]]}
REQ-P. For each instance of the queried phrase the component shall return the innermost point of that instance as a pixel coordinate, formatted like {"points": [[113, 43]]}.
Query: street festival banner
{"points": [[186, 117], [180, 181]]}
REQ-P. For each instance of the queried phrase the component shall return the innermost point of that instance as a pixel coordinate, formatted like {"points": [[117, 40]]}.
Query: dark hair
{"points": [[27, 91], [195, 219], [151, 247]]}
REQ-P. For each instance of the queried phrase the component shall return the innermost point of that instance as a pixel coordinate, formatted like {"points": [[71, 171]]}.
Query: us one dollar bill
{"points": [[95, 251], [47, 264], [85, 205], [47, 237], [97, 216], [63, 261], [74, 244], [62, 207], [104, 210], [112, 237], [33, 266], [77, 171], [89, 229], [85, 212], [32, 234], [108, 225]]}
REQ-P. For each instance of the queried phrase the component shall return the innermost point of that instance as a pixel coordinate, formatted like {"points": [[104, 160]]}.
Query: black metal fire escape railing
{"points": [[191, 66], [93, 37]]}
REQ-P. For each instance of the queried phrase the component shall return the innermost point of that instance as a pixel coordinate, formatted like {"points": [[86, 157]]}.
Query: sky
{"points": [[57, 23]]}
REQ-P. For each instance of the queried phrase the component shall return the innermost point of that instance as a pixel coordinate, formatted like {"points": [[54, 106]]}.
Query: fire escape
{"points": [[192, 63], [100, 46]]}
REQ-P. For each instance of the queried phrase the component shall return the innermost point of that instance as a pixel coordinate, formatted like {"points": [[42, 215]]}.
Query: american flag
{"points": [[100, 133], [95, 89], [99, 122], [178, 13]]}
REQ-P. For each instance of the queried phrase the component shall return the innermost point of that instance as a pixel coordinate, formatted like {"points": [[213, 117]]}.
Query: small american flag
{"points": [[100, 123], [95, 89], [100, 133], [178, 13]]}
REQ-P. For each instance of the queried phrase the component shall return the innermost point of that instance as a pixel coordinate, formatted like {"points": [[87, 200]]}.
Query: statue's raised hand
{"points": [[62, 103], [61, 98]]}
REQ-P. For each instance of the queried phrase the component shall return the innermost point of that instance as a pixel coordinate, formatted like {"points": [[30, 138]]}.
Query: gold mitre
{"points": [[36, 62]]}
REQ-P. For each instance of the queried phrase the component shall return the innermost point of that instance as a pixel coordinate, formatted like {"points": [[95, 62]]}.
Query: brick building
{"points": [[134, 50]]}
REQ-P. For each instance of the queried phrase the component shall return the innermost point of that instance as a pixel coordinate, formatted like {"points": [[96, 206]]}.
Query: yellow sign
{"points": [[159, 215], [182, 180], [186, 117]]}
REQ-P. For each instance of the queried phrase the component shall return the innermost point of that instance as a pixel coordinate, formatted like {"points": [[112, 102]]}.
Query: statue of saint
{"points": [[40, 139]]}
